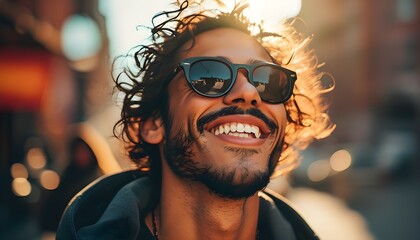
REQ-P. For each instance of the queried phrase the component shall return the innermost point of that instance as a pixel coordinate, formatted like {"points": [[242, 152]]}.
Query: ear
{"points": [[152, 130]]}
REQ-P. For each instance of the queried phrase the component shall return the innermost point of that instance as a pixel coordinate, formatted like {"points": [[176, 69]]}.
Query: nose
{"points": [[243, 92]]}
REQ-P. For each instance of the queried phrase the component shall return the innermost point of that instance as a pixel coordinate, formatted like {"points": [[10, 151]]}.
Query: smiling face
{"points": [[229, 143]]}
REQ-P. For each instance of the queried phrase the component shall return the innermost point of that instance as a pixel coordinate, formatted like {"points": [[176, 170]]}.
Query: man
{"points": [[210, 115]]}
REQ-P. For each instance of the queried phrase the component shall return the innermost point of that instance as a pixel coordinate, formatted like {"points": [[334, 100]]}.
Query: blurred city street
{"points": [[58, 110]]}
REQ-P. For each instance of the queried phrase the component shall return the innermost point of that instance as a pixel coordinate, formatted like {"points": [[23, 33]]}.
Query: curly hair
{"points": [[145, 93]]}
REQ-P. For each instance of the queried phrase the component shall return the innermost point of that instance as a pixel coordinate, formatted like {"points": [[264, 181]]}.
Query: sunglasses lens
{"points": [[210, 78], [271, 83]]}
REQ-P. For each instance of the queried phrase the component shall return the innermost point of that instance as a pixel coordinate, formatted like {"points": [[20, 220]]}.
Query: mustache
{"points": [[233, 110]]}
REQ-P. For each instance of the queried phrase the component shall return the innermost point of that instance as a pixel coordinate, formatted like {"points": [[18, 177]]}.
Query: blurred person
{"points": [[92, 152], [211, 113], [82, 169]]}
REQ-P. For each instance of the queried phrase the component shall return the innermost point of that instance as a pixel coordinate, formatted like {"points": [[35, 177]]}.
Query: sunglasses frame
{"points": [[185, 65]]}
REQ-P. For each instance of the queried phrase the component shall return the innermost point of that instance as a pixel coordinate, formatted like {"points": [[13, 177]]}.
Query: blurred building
{"points": [[53, 75], [372, 49]]}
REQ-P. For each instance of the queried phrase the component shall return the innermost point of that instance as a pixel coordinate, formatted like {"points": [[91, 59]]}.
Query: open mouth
{"points": [[243, 130]]}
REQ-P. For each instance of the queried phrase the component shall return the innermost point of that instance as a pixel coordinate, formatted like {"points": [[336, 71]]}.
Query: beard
{"points": [[228, 182]]}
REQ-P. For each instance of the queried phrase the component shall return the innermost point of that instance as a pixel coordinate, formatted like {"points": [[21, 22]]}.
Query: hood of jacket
{"points": [[112, 208]]}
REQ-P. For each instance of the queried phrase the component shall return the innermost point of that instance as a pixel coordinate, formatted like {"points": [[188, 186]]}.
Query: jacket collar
{"points": [[118, 217]]}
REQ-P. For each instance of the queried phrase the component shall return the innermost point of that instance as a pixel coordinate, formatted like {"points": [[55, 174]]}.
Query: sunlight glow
{"points": [[124, 21], [271, 12]]}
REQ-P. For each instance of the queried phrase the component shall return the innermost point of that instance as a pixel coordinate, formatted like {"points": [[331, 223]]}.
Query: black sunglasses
{"points": [[215, 76]]}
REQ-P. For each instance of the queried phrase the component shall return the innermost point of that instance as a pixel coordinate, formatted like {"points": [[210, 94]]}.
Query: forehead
{"points": [[230, 43]]}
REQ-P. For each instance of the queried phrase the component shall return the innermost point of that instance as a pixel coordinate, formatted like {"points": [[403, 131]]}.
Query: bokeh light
{"points": [[318, 170], [36, 158], [18, 170], [21, 187], [81, 38], [340, 160], [49, 179]]}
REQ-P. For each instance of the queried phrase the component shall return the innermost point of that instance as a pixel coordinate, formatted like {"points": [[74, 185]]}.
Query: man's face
{"points": [[235, 164]]}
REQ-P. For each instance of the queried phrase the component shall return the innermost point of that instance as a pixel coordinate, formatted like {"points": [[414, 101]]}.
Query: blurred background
{"points": [[57, 111]]}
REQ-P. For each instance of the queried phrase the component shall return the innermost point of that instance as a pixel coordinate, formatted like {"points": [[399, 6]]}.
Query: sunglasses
{"points": [[215, 77]]}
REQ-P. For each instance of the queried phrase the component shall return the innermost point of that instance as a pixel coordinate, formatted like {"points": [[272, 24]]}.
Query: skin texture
{"points": [[189, 208]]}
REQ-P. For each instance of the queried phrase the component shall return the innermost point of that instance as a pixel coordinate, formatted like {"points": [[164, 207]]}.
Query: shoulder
{"points": [[271, 201], [111, 197]]}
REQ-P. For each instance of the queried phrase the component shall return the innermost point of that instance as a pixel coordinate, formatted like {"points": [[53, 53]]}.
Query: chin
{"points": [[236, 184]]}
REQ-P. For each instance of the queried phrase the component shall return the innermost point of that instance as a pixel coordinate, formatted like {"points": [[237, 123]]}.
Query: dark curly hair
{"points": [[145, 92]]}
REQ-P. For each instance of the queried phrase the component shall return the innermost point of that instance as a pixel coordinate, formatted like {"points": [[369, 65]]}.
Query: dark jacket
{"points": [[113, 207]]}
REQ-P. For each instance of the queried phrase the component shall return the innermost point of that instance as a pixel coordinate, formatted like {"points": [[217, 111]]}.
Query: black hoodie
{"points": [[114, 207]]}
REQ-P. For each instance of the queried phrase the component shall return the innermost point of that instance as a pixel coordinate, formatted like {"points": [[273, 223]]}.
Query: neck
{"points": [[188, 210]]}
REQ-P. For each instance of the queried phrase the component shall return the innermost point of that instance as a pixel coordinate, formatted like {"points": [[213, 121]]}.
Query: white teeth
{"points": [[247, 128], [227, 128], [233, 127], [238, 130], [240, 127], [255, 130]]}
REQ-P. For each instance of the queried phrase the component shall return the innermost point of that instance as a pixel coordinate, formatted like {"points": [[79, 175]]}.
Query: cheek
{"points": [[186, 106], [283, 118], [177, 97], [279, 114], [184, 110]]}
